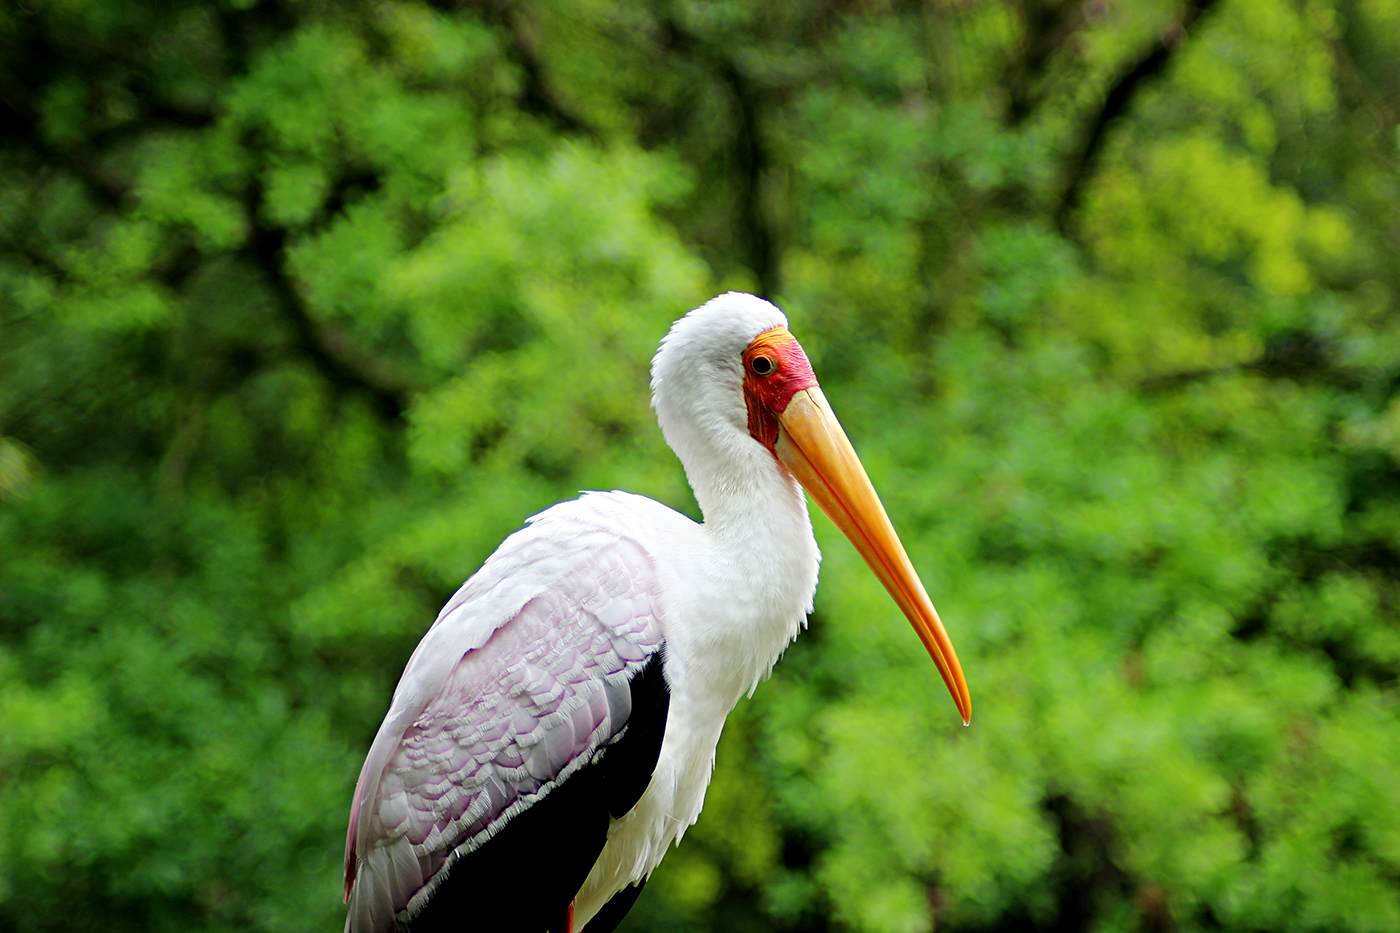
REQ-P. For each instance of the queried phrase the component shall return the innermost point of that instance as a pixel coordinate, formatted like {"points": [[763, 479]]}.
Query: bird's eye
{"points": [[762, 366]]}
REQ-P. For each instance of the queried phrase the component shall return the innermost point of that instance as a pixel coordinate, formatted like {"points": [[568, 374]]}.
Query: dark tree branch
{"points": [[538, 96], [20, 120], [1295, 355], [334, 352], [1048, 26], [156, 116], [1120, 97], [1093, 877], [756, 234], [339, 358], [33, 256], [758, 241]]}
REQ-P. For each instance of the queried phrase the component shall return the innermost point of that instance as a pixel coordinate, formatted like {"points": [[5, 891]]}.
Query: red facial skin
{"points": [[767, 393]]}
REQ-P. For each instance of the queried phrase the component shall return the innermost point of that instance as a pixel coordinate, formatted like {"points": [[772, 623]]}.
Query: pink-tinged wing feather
{"points": [[520, 681]]}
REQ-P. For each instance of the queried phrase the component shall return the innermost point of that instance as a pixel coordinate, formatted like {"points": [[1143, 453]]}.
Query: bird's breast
{"points": [[671, 804]]}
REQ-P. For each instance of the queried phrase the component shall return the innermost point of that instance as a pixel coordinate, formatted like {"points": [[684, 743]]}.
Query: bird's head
{"points": [[744, 378]]}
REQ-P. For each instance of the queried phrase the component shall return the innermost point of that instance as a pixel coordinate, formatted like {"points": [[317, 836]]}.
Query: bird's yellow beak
{"points": [[812, 445]]}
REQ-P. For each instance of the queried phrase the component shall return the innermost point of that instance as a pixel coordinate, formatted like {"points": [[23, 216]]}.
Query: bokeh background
{"points": [[304, 305]]}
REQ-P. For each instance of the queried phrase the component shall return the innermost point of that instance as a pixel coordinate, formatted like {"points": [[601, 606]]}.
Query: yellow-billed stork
{"points": [[555, 730]]}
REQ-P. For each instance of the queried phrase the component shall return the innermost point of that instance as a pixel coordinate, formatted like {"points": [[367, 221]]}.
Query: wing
{"points": [[523, 686]]}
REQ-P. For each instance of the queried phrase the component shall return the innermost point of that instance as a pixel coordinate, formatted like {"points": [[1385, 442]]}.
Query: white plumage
{"points": [[523, 680]]}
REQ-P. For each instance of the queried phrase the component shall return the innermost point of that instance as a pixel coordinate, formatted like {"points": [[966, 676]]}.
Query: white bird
{"points": [[555, 730]]}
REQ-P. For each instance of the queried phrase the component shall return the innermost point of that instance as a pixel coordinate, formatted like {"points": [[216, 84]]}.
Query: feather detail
{"points": [[539, 685]]}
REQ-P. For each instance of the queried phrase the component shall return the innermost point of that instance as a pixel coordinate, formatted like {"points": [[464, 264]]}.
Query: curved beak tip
{"points": [[813, 446]]}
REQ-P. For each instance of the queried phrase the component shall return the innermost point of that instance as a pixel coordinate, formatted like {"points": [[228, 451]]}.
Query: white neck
{"points": [[761, 559], [761, 567]]}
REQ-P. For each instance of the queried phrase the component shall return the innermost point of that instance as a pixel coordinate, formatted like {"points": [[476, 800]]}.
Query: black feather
{"points": [[524, 878]]}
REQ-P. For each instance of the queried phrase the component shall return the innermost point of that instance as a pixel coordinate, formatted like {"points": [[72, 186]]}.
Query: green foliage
{"points": [[305, 306]]}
